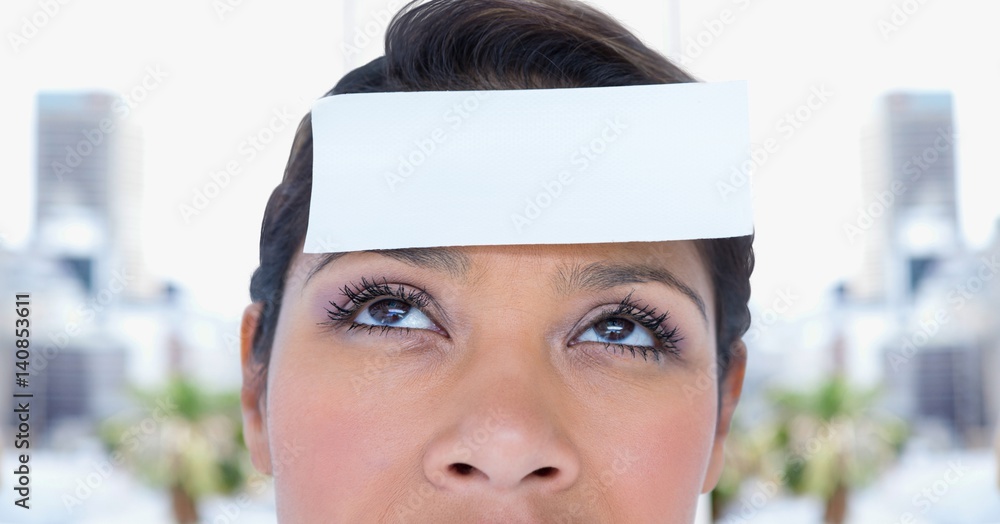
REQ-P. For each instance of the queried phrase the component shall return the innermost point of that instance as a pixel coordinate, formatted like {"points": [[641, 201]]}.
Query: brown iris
{"points": [[388, 311], [614, 329]]}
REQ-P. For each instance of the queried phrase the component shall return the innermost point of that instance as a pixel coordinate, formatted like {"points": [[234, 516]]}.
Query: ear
{"points": [[252, 394], [729, 391]]}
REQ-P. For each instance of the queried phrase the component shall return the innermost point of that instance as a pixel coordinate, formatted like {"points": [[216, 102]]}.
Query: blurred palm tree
{"points": [[830, 440], [192, 450]]}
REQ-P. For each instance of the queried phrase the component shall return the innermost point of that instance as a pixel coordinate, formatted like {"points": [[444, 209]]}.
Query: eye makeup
{"points": [[666, 340], [397, 299], [392, 308]]}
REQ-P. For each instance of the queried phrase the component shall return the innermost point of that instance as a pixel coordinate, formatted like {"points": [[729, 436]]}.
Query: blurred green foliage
{"points": [[187, 440], [824, 441]]}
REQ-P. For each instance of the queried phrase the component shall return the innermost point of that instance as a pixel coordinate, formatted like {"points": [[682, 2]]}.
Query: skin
{"points": [[506, 409]]}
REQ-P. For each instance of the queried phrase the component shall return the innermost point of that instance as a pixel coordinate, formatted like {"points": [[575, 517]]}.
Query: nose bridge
{"points": [[505, 429], [509, 398], [503, 417], [509, 382], [508, 340], [509, 334]]}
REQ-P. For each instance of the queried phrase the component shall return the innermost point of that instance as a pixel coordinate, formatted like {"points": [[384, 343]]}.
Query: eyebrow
{"points": [[441, 259], [600, 276]]}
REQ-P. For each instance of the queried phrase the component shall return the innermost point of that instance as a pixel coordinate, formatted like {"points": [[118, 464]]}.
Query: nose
{"points": [[503, 436], [502, 455]]}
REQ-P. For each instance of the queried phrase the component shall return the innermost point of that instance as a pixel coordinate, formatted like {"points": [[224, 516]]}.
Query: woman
{"points": [[493, 383]]}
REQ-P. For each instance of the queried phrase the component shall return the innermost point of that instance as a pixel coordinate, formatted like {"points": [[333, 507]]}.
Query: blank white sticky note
{"points": [[543, 166]]}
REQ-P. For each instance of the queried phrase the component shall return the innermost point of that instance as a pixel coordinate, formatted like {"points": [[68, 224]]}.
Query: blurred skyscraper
{"points": [[85, 259], [938, 359], [89, 189], [909, 214], [103, 321]]}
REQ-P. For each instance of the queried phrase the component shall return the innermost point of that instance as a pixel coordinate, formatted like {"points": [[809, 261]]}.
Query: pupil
{"points": [[389, 311], [615, 328]]}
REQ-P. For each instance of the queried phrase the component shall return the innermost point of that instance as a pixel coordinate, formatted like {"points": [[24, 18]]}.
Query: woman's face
{"points": [[555, 383]]}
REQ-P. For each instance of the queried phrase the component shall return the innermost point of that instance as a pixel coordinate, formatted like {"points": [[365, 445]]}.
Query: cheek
{"points": [[326, 438], [341, 441], [664, 461]]}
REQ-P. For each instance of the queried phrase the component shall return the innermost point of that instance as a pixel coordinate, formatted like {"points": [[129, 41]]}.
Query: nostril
{"points": [[461, 469], [546, 472]]}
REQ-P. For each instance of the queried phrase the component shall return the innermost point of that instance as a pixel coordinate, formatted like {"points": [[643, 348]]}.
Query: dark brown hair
{"points": [[490, 44]]}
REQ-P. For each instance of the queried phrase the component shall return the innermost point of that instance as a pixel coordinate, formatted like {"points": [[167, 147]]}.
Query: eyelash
{"points": [[647, 317], [360, 295]]}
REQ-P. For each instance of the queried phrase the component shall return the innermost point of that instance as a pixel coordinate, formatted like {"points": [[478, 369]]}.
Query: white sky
{"points": [[227, 74]]}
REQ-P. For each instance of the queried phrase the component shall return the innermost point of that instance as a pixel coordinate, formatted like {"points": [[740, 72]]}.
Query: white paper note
{"points": [[544, 166]]}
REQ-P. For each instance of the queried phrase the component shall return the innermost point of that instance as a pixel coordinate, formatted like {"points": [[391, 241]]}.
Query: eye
{"points": [[378, 305], [633, 327], [617, 330], [393, 312]]}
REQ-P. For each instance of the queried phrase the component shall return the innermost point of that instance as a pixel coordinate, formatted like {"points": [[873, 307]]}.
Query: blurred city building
{"points": [[952, 377], [100, 322], [919, 318], [909, 200], [939, 352], [89, 189]]}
